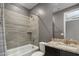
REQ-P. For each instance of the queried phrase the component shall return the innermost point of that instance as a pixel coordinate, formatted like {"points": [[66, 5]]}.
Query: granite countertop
{"points": [[66, 45]]}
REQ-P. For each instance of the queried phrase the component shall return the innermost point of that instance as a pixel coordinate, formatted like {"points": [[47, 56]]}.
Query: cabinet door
{"points": [[66, 53], [49, 51]]}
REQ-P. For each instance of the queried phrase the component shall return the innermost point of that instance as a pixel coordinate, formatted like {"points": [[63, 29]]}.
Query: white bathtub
{"points": [[25, 50]]}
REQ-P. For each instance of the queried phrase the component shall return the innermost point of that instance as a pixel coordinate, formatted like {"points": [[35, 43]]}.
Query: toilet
{"points": [[42, 50]]}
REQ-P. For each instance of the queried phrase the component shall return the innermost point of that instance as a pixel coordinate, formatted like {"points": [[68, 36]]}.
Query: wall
{"points": [[59, 21], [46, 31], [16, 25], [45, 20], [59, 24]]}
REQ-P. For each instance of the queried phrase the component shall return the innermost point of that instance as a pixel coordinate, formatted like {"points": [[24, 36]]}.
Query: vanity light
{"points": [[14, 8], [62, 34], [40, 12]]}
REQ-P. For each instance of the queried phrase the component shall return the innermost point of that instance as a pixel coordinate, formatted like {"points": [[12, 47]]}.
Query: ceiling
{"points": [[56, 6], [61, 6], [29, 5]]}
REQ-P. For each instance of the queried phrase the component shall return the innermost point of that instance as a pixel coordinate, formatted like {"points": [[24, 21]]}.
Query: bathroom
{"points": [[30, 29]]}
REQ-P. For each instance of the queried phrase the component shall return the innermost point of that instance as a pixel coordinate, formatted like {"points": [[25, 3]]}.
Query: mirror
{"points": [[71, 24]]}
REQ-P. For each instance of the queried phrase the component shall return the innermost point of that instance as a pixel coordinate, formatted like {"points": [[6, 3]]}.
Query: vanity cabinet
{"points": [[50, 51]]}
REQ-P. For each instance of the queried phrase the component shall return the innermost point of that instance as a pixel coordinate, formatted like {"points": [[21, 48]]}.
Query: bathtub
{"points": [[25, 50]]}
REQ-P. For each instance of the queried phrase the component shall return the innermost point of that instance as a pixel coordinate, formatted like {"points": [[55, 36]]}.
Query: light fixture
{"points": [[40, 12], [15, 8], [62, 34]]}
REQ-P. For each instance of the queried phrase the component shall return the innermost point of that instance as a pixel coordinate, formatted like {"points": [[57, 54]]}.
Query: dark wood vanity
{"points": [[50, 51], [62, 47]]}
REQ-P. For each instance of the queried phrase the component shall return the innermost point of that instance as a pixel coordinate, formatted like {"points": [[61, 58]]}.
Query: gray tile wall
{"points": [[16, 26], [35, 29]]}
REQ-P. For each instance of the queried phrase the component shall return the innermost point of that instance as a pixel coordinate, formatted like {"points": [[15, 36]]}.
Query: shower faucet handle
{"points": [[0, 22], [33, 40]]}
